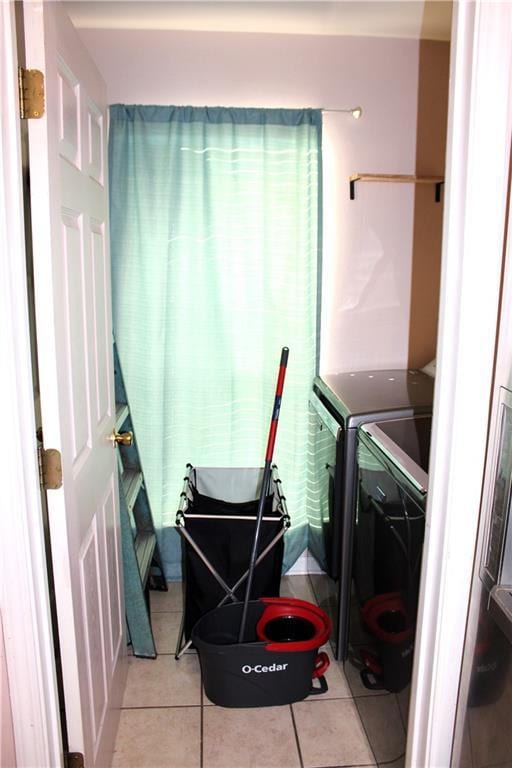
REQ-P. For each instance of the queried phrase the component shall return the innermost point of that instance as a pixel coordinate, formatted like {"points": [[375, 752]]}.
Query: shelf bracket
{"points": [[398, 178]]}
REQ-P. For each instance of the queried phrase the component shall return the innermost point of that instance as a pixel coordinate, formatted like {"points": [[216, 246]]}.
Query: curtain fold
{"points": [[215, 248]]}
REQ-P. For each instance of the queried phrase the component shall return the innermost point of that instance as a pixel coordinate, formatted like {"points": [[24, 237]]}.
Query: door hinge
{"points": [[31, 93], [75, 760], [50, 468]]}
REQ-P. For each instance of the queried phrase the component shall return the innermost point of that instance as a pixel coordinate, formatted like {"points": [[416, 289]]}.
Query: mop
{"points": [[265, 484]]}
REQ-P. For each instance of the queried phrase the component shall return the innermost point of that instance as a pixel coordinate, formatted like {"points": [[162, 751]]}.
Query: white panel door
{"points": [[73, 312]]}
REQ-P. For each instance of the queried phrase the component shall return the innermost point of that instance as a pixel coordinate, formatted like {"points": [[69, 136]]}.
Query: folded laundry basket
{"points": [[215, 518]]}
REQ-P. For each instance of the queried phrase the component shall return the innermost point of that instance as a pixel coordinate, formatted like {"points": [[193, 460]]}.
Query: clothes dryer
{"points": [[339, 404]]}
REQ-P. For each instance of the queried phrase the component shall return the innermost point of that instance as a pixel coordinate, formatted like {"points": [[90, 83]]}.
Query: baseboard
{"points": [[300, 566], [304, 565], [312, 565]]}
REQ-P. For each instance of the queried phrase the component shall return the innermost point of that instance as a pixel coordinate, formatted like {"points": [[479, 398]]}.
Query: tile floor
{"points": [[167, 721]]}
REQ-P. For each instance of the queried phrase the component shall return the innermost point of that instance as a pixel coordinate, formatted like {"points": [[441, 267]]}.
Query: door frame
{"points": [[25, 606], [477, 175]]}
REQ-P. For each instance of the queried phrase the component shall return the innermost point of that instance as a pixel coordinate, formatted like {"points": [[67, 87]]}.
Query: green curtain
{"points": [[215, 252]]}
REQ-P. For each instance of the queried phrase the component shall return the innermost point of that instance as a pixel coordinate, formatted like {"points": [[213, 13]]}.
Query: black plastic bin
{"points": [[259, 673]]}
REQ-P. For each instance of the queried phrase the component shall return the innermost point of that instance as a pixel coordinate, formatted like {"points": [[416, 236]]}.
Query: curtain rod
{"points": [[356, 112]]}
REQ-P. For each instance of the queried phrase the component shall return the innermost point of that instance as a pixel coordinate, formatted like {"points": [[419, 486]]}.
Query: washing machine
{"points": [[392, 470], [339, 404]]}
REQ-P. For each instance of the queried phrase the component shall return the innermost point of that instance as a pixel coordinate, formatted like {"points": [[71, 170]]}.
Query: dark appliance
{"points": [[392, 459], [339, 404], [483, 736]]}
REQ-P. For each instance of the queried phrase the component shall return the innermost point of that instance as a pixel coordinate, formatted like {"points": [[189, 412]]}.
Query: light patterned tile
{"points": [[357, 688], [331, 734], [163, 682], [403, 699], [172, 600], [249, 738], [338, 687], [324, 590], [466, 759], [166, 626], [490, 731], [297, 586], [158, 738], [400, 763], [382, 722]]}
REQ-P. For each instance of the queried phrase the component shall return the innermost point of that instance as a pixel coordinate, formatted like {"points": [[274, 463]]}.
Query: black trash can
{"points": [[260, 673]]}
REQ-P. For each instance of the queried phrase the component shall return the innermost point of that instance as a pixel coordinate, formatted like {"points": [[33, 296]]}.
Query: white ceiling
{"points": [[382, 18]]}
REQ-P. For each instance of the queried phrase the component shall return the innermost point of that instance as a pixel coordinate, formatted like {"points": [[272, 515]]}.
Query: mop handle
{"points": [[277, 404], [265, 484]]}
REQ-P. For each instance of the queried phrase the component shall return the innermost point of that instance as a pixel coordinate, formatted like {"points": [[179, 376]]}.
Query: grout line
{"points": [[201, 732], [377, 696], [351, 765], [404, 724], [470, 737], [324, 701], [159, 613], [370, 695], [317, 701], [164, 706], [167, 610], [312, 587], [390, 762], [296, 737], [366, 732], [320, 700]]}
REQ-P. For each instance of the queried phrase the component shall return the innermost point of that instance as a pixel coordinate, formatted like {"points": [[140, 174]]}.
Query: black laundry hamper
{"points": [[215, 519]]}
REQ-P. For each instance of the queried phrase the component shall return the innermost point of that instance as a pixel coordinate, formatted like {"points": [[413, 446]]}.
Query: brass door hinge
{"points": [[50, 468], [75, 760], [31, 93]]}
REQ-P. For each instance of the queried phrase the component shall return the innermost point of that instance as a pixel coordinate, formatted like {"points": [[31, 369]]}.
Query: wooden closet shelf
{"points": [[397, 178]]}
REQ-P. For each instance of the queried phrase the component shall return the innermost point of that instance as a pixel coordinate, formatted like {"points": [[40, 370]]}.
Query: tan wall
{"points": [[428, 215], [7, 753]]}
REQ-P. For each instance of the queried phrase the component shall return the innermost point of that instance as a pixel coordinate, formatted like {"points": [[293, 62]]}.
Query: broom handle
{"points": [[265, 484]]}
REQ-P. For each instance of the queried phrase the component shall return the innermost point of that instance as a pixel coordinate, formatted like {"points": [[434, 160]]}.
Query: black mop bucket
{"points": [[279, 660]]}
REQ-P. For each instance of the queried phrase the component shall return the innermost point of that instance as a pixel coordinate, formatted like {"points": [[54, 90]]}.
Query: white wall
{"points": [[367, 242]]}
